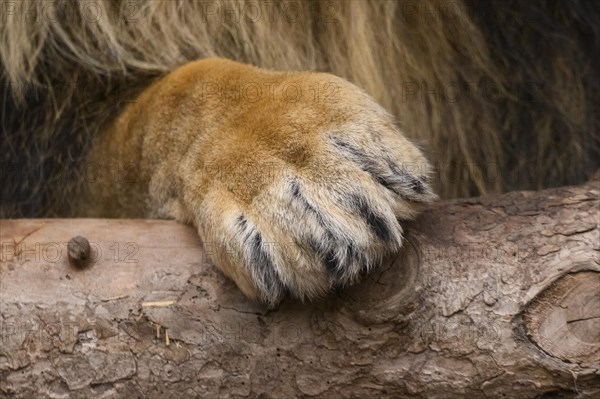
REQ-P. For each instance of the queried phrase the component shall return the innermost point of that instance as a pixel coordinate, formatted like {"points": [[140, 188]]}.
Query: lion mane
{"points": [[503, 95]]}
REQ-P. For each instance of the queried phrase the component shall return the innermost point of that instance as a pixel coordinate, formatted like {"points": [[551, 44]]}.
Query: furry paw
{"points": [[297, 182]]}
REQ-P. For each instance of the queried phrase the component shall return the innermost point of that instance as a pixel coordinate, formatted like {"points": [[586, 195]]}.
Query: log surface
{"points": [[493, 297]]}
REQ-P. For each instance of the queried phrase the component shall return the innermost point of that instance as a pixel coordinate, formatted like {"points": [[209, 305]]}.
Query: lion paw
{"points": [[299, 196]]}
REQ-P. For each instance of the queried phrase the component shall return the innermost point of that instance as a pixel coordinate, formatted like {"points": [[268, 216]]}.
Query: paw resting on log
{"points": [[291, 192]]}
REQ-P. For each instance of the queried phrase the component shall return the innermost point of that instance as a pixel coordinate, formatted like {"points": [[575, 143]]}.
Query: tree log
{"points": [[494, 297]]}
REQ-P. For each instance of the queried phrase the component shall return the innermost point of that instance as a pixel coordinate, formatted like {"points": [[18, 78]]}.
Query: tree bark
{"points": [[494, 297]]}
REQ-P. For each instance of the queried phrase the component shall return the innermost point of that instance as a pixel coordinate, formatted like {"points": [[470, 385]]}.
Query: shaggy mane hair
{"points": [[504, 95]]}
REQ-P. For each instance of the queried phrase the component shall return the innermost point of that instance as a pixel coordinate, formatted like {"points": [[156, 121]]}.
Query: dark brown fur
{"points": [[525, 73]]}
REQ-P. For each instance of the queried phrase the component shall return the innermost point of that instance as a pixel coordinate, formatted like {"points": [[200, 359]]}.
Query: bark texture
{"points": [[492, 297]]}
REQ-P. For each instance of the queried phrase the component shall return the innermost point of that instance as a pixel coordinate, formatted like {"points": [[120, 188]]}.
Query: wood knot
{"points": [[79, 251], [564, 319]]}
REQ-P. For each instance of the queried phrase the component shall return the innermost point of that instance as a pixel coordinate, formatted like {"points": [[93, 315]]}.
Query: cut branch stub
{"points": [[564, 319]]}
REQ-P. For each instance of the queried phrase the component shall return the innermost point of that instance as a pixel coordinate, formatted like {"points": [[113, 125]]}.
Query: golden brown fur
{"points": [[501, 95], [278, 184]]}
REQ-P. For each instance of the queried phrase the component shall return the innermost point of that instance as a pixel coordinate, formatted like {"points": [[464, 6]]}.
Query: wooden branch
{"points": [[492, 297]]}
